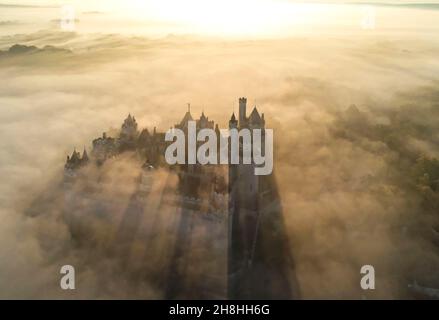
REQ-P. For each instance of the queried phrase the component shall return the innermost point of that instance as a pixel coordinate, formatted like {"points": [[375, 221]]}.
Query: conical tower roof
{"points": [[84, 155], [254, 116], [187, 117]]}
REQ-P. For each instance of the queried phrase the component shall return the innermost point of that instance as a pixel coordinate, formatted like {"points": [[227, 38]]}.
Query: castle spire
{"points": [[84, 155], [233, 123], [242, 111]]}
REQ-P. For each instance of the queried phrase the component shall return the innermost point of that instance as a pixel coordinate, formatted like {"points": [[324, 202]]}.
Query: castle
{"points": [[151, 147], [249, 204], [76, 161]]}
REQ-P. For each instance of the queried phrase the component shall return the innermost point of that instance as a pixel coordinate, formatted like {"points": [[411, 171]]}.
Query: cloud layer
{"points": [[350, 177]]}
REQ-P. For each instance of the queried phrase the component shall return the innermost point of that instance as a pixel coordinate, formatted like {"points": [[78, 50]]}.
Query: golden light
{"points": [[228, 17]]}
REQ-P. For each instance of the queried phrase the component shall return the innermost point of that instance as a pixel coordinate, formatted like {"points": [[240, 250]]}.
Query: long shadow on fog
{"points": [[168, 241], [260, 262]]}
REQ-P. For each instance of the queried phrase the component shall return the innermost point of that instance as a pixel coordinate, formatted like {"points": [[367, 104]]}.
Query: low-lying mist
{"points": [[355, 134]]}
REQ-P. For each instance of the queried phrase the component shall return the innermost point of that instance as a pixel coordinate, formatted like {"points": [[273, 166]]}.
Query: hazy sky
{"points": [[244, 18]]}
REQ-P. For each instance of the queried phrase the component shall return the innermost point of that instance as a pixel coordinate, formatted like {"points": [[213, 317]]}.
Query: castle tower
{"points": [[128, 130], [242, 112], [245, 208], [84, 158], [232, 122], [183, 125], [233, 168], [255, 121]]}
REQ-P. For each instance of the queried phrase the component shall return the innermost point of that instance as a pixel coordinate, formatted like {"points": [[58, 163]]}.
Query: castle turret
{"points": [[128, 134], [242, 111], [75, 161], [84, 158], [75, 156], [204, 122], [233, 123], [183, 125], [255, 121], [129, 128]]}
